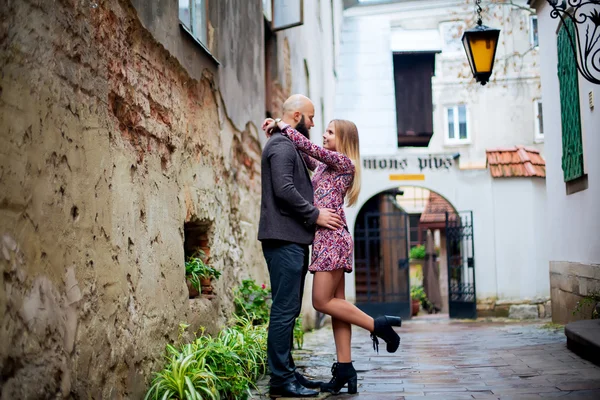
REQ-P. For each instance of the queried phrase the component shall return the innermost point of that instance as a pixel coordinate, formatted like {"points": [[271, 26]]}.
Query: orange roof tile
{"points": [[435, 210], [515, 161]]}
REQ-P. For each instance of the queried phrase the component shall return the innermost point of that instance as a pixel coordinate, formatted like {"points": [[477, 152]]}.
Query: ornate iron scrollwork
{"points": [[586, 48]]}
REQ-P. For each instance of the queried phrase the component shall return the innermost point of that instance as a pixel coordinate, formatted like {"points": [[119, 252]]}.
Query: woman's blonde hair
{"points": [[346, 135]]}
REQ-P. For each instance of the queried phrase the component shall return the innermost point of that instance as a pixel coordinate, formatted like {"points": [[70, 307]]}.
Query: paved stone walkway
{"points": [[443, 359]]}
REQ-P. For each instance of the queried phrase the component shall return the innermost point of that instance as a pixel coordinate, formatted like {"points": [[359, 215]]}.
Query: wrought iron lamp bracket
{"points": [[587, 54]]}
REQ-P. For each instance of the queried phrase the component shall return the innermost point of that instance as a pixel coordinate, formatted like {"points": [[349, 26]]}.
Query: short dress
{"points": [[333, 177]]}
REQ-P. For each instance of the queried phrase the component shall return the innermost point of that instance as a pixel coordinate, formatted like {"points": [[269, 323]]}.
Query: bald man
{"points": [[287, 227]]}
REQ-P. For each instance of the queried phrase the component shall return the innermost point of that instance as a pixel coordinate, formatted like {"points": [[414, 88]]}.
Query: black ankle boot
{"points": [[342, 373], [383, 329]]}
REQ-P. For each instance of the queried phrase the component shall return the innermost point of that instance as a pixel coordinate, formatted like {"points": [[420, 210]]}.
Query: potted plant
{"points": [[417, 252], [199, 276], [417, 295]]}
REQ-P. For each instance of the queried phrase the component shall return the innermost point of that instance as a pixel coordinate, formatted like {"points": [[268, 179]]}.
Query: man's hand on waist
{"points": [[329, 219]]}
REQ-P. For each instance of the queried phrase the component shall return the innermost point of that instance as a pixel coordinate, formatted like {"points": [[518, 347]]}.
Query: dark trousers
{"points": [[288, 265]]}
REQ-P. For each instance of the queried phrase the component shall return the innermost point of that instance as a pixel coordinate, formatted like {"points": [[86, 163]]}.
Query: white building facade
{"points": [[572, 118], [469, 126]]}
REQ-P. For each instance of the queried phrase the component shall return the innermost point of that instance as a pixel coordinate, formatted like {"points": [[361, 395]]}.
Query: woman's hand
{"points": [[268, 126]]}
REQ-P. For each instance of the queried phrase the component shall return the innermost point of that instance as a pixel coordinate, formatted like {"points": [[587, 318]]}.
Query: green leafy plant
{"points": [[299, 332], [196, 270], [589, 300], [223, 358], [254, 347], [184, 377], [417, 252], [418, 293], [225, 366], [253, 301]]}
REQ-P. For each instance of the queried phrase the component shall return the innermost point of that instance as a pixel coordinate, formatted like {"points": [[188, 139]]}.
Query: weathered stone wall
{"points": [[540, 307], [107, 148], [570, 282]]}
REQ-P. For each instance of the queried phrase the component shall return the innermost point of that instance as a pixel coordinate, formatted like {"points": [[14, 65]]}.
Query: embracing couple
{"points": [[296, 213]]}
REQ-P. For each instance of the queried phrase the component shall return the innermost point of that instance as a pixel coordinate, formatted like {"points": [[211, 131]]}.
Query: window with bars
{"points": [[193, 16], [572, 147]]}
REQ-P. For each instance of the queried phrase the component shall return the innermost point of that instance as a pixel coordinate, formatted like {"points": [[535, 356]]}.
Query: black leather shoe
{"points": [[384, 330], [307, 383], [292, 389]]}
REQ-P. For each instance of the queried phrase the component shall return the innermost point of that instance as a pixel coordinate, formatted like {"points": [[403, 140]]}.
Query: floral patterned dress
{"points": [[333, 177]]}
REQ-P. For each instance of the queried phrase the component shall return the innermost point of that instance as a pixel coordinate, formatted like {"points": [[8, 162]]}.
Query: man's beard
{"points": [[302, 128]]}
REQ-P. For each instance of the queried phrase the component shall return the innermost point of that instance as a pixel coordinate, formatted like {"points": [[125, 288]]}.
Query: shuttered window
{"points": [[572, 158], [414, 105]]}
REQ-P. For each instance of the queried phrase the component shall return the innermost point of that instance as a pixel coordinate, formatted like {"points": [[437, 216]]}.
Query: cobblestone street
{"points": [[447, 360]]}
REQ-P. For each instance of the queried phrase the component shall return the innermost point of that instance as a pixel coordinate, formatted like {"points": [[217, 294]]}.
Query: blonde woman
{"points": [[337, 180]]}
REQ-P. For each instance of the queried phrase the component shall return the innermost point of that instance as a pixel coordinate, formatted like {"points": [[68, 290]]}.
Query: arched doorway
{"points": [[391, 224], [381, 260]]}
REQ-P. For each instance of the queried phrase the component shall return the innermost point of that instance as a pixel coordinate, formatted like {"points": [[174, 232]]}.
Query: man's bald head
{"points": [[296, 102], [299, 111]]}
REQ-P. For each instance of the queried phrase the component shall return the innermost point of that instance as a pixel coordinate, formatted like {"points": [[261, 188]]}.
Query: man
{"points": [[286, 229]]}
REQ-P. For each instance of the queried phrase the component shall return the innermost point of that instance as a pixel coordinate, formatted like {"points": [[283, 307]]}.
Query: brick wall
{"points": [[108, 148]]}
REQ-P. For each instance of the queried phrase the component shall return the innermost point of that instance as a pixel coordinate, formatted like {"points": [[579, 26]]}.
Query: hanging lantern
{"points": [[480, 45]]}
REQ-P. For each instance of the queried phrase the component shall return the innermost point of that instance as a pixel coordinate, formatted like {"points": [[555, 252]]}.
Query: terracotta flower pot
{"points": [[191, 289], [416, 306], [206, 286], [205, 281]]}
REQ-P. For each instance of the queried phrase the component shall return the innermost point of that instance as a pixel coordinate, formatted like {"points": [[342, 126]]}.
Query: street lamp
{"points": [[586, 49], [480, 45]]}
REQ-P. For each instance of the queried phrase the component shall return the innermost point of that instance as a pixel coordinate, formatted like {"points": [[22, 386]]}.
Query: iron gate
{"points": [[462, 300], [382, 264]]}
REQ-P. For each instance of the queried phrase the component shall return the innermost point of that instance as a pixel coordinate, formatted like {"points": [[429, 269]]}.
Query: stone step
{"points": [[583, 338]]}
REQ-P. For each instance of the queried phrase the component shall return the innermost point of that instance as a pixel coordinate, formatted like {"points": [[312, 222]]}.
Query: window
{"points": [[533, 31], [570, 112], [457, 130], [539, 120], [414, 105], [193, 17]]}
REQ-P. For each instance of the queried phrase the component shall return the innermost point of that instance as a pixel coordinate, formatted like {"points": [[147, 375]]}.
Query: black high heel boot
{"points": [[384, 330], [342, 373]]}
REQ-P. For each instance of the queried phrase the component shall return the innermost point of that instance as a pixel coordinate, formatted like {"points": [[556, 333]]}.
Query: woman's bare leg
{"points": [[342, 331], [324, 288]]}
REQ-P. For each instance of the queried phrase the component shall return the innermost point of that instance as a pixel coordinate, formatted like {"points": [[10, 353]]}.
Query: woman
{"points": [[337, 178]]}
